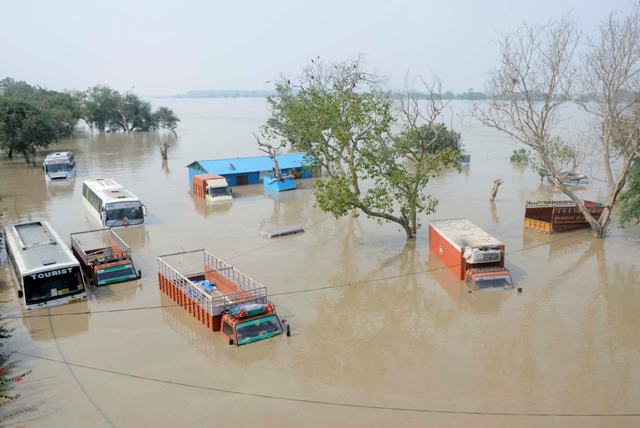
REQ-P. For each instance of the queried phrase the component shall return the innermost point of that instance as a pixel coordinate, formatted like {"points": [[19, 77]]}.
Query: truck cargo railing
{"points": [[562, 204], [114, 248], [230, 287]]}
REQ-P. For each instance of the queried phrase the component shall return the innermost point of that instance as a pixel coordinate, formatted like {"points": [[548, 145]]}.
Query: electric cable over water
{"points": [[282, 293], [69, 364], [324, 402]]}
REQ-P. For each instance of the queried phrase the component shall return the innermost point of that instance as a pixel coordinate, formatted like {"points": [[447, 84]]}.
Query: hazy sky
{"points": [[159, 47]]}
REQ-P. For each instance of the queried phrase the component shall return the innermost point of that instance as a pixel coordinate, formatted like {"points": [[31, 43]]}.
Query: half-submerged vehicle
{"points": [[104, 257], [46, 271], [220, 297], [470, 253], [111, 204], [558, 216], [211, 187], [59, 166]]}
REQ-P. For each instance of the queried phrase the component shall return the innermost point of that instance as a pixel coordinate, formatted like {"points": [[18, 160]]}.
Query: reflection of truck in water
{"points": [[211, 187], [219, 296], [105, 258], [558, 216], [59, 165], [470, 253]]}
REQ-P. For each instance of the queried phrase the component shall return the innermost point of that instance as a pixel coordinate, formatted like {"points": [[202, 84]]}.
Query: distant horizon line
{"points": [[263, 93]]}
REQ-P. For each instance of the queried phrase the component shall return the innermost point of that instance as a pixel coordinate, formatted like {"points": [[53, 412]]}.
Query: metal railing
{"points": [[115, 249], [213, 302]]}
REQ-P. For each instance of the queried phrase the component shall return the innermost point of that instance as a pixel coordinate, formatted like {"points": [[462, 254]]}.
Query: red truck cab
{"points": [[251, 322]]}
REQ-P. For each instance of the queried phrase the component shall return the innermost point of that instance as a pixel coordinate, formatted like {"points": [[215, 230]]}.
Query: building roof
{"points": [[462, 233], [248, 164]]}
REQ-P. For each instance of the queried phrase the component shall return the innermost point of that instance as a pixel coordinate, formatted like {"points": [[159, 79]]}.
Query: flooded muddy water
{"points": [[383, 334]]}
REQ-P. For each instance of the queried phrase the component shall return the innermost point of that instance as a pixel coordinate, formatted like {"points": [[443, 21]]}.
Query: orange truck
{"points": [[211, 187], [558, 216], [470, 253], [104, 257], [219, 296]]}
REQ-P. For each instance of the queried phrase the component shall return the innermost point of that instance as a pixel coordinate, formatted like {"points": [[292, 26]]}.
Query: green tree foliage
{"points": [[106, 109], [520, 157], [24, 127], [630, 198], [165, 118], [339, 116], [8, 374]]}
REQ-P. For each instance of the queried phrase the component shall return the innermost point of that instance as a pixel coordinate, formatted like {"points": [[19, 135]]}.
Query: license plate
{"points": [[76, 299]]}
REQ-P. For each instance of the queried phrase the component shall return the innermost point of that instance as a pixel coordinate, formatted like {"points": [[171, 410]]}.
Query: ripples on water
{"points": [[569, 343]]}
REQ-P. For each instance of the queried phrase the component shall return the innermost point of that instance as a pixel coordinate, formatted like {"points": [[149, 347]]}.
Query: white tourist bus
{"points": [[46, 271], [59, 165], [111, 204]]}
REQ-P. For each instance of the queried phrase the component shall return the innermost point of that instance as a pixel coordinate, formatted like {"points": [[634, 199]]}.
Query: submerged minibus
{"points": [[46, 271], [59, 165], [111, 204]]}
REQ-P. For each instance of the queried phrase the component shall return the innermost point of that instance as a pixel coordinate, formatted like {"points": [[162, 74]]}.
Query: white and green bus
{"points": [[46, 271], [111, 204]]}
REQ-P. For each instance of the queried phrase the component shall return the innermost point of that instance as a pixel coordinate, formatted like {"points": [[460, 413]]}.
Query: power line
{"points": [[323, 402], [283, 293]]}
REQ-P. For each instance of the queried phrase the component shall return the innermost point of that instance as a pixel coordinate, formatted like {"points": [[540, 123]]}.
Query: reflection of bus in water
{"points": [[111, 204], [46, 271]]}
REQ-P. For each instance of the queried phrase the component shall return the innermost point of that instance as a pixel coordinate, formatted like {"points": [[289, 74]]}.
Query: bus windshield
{"points": [[117, 212], [44, 286], [57, 167], [258, 329]]}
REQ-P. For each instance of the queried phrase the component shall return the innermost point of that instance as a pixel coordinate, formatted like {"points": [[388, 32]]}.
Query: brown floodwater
{"points": [[382, 334]]}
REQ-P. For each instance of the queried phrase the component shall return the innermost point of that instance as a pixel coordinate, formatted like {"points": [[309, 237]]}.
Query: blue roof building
{"points": [[250, 170]]}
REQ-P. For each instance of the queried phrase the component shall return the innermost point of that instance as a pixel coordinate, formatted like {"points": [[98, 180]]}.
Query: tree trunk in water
{"points": [[163, 150], [494, 190], [413, 224], [408, 231], [10, 154], [26, 156]]}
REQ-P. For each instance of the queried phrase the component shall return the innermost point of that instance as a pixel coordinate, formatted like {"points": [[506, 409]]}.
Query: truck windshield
{"points": [[44, 286], [57, 167], [117, 212], [219, 191], [258, 329], [113, 274], [494, 282]]}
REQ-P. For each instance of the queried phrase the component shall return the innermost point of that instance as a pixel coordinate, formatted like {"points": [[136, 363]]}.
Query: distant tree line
{"points": [[107, 110], [32, 117]]}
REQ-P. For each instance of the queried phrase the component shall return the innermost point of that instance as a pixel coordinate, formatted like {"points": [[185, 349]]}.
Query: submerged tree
{"points": [[24, 128], [165, 118], [272, 150], [630, 198], [537, 75], [339, 116], [106, 109]]}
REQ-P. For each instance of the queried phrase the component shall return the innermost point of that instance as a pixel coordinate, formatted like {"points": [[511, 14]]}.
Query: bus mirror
{"points": [[139, 274], [144, 210], [230, 341], [20, 294], [288, 330]]}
